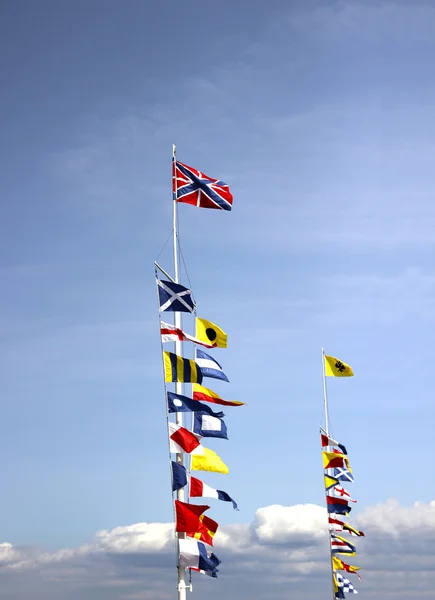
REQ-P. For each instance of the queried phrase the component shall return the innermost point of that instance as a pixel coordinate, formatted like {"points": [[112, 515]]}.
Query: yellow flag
{"points": [[339, 565], [204, 459], [336, 368], [211, 334], [182, 369], [330, 482]]}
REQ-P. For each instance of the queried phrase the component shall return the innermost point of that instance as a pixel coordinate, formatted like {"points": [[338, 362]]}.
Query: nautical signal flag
{"points": [[170, 333], [207, 395], [338, 594], [344, 584], [179, 477], [174, 297], [210, 334], [187, 516], [340, 545], [339, 565], [181, 369], [206, 531], [330, 482], [325, 440], [199, 489], [209, 366], [204, 459], [194, 187], [207, 426], [338, 525], [194, 555], [181, 439], [179, 403], [343, 474], [339, 492], [209, 573], [334, 459], [334, 367], [337, 505]]}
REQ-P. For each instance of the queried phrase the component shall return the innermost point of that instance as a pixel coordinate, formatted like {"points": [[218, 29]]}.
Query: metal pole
{"points": [[178, 386], [325, 407]]}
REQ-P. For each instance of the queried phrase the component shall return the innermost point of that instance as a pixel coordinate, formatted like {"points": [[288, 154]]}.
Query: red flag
{"points": [[193, 187], [206, 532], [187, 516], [184, 438]]}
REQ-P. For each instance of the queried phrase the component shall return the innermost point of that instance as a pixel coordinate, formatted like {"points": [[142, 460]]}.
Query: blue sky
{"points": [[319, 115]]}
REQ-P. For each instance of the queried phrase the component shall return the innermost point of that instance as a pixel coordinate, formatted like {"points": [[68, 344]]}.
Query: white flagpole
{"points": [[325, 408], [178, 386]]}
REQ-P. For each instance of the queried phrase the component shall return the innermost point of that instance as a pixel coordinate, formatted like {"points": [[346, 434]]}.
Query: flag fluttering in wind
{"points": [[187, 516], [207, 426], [179, 403], [335, 459], [181, 369], [339, 492], [207, 395], [336, 524], [339, 565], [210, 333], [204, 459], [199, 489], [209, 366], [325, 440], [194, 187], [174, 297], [170, 333], [334, 367], [344, 584], [340, 545], [330, 482], [337, 505], [343, 474], [206, 531], [194, 555], [181, 439], [179, 477]]}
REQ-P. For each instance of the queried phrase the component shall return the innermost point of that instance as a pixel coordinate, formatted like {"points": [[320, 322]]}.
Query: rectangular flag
{"points": [[181, 369], [339, 492], [336, 368], [181, 439], [193, 554], [334, 459], [204, 532], [338, 564], [325, 440], [343, 474], [179, 477], [207, 426], [340, 545], [210, 333], [204, 459], [174, 297], [187, 516], [209, 367], [207, 395], [194, 187], [199, 489], [344, 584], [170, 333], [179, 403], [336, 524], [337, 505]]}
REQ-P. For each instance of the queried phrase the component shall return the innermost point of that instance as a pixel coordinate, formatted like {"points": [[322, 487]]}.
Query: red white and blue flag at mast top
{"points": [[194, 187]]}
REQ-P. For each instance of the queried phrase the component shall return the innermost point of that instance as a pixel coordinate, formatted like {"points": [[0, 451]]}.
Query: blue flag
{"points": [[209, 366], [179, 403], [179, 477], [343, 474], [174, 297], [208, 426]]}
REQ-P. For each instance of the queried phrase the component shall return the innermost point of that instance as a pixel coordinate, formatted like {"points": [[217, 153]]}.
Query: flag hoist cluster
{"points": [[337, 472], [192, 408]]}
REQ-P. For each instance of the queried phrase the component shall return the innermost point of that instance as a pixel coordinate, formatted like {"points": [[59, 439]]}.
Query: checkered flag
{"points": [[345, 584]]}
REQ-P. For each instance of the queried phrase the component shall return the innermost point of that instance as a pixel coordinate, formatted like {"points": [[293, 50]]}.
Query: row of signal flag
{"points": [[191, 186], [337, 470]]}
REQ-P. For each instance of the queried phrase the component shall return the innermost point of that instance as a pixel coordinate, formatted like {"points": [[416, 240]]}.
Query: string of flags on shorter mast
{"points": [[336, 471], [195, 530]]}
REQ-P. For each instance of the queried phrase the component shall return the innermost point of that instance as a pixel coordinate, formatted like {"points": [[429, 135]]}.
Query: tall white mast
{"points": [[325, 408], [178, 386]]}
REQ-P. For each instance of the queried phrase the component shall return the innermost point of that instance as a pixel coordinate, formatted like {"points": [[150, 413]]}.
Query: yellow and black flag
{"points": [[211, 334], [181, 369], [336, 368]]}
